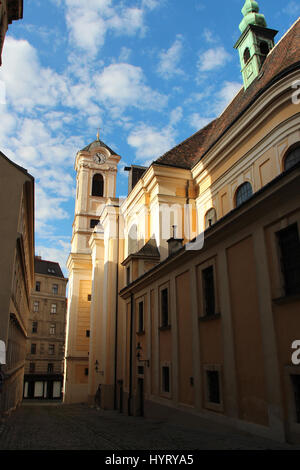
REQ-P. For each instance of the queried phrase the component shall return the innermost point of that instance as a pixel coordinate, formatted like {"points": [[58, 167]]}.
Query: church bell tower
{"points": [[96, 167], [255, 42]]}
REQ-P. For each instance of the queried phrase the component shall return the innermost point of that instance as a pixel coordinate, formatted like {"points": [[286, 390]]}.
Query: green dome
{"points": [[252, 16]]}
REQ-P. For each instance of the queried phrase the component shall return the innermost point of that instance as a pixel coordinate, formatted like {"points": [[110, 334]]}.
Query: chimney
{"points": [[135, 174], [174, 244]]}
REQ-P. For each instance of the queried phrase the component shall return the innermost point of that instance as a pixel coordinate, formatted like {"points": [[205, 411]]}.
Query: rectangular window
{"points": [[36, 306], [208, 290], [93, 223], [50, 368], [55, 289], [296, 389], [89, 298], [289, 245], [38, 286], [213, 386], [165, 307], [32, 368], [141, 317], [86, 371], [34, 326], [51, 349], [53, 308], [33, 348], [52, 329], [166, 379], [87, 333], [128, 275]]}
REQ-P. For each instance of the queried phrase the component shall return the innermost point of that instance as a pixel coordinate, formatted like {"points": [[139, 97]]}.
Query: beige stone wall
{"points": [[48, 311]]}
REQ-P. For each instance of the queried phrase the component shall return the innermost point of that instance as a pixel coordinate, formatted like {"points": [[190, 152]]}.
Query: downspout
{"points": [[116, 319], [130, 355]]}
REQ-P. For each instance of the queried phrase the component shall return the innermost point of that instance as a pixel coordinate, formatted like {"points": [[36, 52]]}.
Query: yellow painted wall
{"points": [[83, 320], [250, 372], [80, 376], [185, 341]]}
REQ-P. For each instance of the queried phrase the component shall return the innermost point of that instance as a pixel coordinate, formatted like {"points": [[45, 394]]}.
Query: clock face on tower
{"points": [[99, 158]]}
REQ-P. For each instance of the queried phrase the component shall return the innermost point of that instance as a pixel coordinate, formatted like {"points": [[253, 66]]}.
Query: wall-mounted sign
{"points": [[2, 353]]}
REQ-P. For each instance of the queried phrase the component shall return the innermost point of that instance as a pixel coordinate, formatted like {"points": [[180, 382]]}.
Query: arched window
{"points": [[210, 217], [246, 55], [98, 185], [243, 193], [292, 158], [264, 47], [132, 240]]}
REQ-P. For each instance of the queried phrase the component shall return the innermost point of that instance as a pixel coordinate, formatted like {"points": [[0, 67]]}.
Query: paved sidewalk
{"points": [[80, 427]]}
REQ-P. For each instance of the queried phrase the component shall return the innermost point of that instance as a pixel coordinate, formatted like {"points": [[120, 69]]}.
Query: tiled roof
{"points": [[96, 144], [149, 249], [283, 57], [49, 268]]}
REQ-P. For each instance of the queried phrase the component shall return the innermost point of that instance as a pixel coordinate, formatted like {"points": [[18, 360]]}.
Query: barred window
{"points": [[292, 158], [166, 379], [210, 217], [289, 245], [296, 389], [243, 193], [209, 290], [34, 327], [165, 308], [213, 386], [141, 317]]}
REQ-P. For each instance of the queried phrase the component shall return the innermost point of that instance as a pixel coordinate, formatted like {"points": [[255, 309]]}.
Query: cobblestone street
{"points": [[79, 427]]}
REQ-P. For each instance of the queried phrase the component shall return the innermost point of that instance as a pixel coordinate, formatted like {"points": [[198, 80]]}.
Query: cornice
{"points": [[275, 96]]}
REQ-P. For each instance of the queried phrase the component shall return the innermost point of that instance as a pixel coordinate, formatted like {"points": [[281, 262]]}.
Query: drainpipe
{"points": [[130, 355], [116, 319]]}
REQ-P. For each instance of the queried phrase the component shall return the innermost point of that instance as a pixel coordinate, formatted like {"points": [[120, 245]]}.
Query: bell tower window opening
{"points": [[98, 185], [246, 55], [264, 48]]}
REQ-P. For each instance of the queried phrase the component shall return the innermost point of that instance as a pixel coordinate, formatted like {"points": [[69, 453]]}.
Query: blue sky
{"points": [[149, 73]]}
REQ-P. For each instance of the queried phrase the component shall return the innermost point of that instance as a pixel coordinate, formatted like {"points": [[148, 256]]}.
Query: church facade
{"points": [[184, 297]]}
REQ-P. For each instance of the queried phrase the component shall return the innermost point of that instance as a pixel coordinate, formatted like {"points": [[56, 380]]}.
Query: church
{"points": [[184, 297]]}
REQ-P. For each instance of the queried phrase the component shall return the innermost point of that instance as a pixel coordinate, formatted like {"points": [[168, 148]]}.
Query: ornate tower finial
{"points": [[98, 134], [251, 15], [255, 42]]}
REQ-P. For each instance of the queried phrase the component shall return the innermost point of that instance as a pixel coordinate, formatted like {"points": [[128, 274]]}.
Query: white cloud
{"points": [[225, 95], [47, 208], [198, 122], [176, 116], [27, 83], [150, 143], [123, 85], [151, 4], [292, 9], [209, 36], [88, 22], [169, 60], [212, 59], [59, 253]]}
